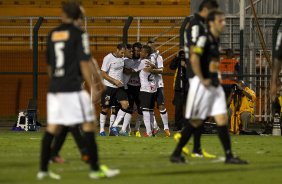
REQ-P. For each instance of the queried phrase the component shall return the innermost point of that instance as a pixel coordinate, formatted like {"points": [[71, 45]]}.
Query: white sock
{"points": [[139, 120], [103, 118], [164, 117], [155, 124], [112, 119], [120, 116], [147, 121], [126, 121]]}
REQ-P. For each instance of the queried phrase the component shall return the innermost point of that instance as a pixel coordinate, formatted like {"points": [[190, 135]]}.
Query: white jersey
{"points": [[147, 80], [113, 66], [159, 62]]}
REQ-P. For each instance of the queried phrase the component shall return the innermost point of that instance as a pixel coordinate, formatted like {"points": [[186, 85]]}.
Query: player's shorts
{"points": [[147, 100], [111, 96], [133, 95], [69, 108], [203, 102], [160, 98]]}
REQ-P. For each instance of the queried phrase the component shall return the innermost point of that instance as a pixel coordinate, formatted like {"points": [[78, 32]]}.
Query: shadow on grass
{"points": [[214, 171]]}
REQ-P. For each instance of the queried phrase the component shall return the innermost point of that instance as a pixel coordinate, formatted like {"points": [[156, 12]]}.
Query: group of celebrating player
{"points": [[133, 78]]}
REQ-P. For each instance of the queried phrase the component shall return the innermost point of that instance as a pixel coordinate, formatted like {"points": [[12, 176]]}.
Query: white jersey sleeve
{"points": [[106, 64]]}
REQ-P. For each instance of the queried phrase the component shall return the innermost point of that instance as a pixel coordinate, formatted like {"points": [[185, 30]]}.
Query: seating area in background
{"points": [[87, 3]]}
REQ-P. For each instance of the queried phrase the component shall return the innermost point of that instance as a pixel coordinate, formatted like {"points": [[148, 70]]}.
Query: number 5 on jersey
{"points": [[60, 59]]}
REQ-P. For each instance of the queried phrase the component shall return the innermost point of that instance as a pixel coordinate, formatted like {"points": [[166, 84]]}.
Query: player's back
{"points": [[67, 46], [195, 29]]}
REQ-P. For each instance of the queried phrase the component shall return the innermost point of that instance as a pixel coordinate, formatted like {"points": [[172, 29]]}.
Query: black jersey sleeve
{"points": [[200, 45], [278, 47], [83, 48], [48, 49]]}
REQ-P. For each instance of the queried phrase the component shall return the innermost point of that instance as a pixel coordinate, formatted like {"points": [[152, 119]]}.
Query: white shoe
{"points": [[42, 174], [104, 172]]}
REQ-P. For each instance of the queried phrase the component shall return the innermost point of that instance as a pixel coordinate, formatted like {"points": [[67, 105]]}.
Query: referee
{"points": [[69, 62]]}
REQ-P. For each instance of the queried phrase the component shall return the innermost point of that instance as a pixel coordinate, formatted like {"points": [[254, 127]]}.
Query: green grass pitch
{"points": [[143, 160]]}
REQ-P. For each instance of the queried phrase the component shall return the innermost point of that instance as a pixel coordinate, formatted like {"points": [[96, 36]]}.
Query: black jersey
{"points": [[278, 47], [67, 47], [207, 48], [195, 29]]}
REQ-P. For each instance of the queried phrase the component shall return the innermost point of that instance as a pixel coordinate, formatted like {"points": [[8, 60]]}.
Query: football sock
{"points": [[112, 119], [139, 120], [147, 122], [154, 123], [164, 117], [197, 139], [126, 121], [59, 141], [103, 117], [92, 150], [120, 116], [225, 140], [79, 139], [185, 136], [45, 151]]}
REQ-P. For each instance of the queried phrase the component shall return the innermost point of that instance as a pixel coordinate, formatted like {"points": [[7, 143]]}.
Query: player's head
{"points": [[79, 21], [146, 51], [136, 50], [151, 43], [71, 11], [128, 51], [207, 6], [216, 21], [120, 50]]}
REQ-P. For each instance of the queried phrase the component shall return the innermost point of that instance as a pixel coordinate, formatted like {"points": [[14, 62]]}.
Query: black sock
{"points": [[59, 141], [185, 136], [92, 150], [45, 151], [80, 141], [225, 140], [197, 139]]}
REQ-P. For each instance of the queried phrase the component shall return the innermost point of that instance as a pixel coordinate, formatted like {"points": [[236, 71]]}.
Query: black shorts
{"points": [[112, 96], [160, 98], [147, 100], [133, 96]]}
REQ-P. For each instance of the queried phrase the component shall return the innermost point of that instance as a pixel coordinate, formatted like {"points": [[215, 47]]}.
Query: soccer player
{"points": [[206, 96], [134, 88], [68, 59], [159, 98], [197, 28], [112, 72], [148, 88], [75, 130], [276, 67]]}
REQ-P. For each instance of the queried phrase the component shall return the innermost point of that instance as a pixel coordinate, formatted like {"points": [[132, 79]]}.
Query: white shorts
{"points": [[69, 108], [203, 102]]}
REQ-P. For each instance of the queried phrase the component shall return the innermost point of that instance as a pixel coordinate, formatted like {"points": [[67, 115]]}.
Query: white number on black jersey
{"points": [[60, 59]]}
